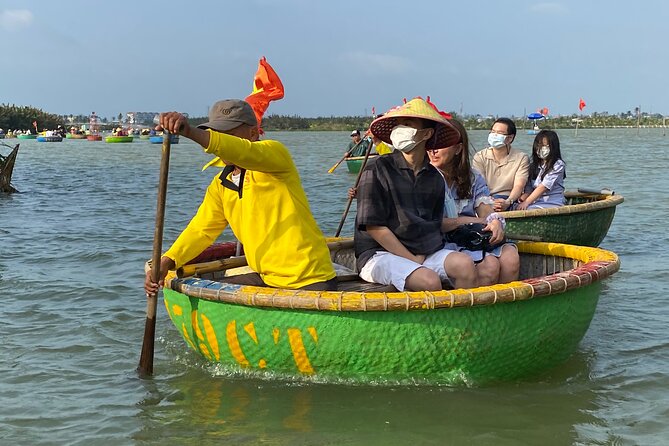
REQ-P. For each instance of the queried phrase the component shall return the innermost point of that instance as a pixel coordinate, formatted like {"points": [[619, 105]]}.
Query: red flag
{"points": [[35, 125], [266, 87], [373, 111], [581, 104], [544, 111]]}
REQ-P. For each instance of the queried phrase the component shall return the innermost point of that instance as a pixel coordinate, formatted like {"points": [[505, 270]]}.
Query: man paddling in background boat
{"points": [[259, 194]]}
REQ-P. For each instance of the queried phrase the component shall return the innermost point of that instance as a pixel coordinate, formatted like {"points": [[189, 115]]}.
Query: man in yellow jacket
{"points": [[260, 196]]}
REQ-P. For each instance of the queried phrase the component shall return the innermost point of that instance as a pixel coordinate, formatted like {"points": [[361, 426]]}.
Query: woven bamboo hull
{"points": [[448, 337], [353, 164], [584, 222], [158, 139], [118, 139]]}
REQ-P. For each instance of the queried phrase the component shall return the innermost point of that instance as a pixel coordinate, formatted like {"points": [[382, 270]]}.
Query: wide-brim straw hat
{"points": [[445, 135]]}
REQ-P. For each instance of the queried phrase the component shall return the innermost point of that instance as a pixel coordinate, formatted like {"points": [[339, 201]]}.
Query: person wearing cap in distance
{"points": [[398, 238], [260, 196], [355, 147], [504, 168]]}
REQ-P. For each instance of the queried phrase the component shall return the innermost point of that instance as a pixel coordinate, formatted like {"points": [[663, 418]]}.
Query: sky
{"points": [[336, 58]]}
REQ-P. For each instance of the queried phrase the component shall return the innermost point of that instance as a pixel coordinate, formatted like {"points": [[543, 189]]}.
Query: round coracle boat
{"points": [[584, 220], [117, 139], [27, 136], [94, 137], [370, 333], [354, 163], [49, 138], [75, 136], [158, 139]]}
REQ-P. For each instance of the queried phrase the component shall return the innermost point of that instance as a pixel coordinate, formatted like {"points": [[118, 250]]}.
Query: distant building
{"points": [[140, 118]]}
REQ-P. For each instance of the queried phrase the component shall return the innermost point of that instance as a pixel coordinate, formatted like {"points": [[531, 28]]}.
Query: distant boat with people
{"points": [[534, 118]]}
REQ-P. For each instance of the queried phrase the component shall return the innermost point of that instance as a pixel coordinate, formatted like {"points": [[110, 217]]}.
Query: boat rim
{"points": [[597, 264], [608, 202]]}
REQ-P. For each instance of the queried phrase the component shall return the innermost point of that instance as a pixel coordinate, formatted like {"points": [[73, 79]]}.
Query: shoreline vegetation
{"points": [[22, 117]]}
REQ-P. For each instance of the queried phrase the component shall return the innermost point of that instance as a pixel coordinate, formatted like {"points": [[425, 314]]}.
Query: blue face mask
{"points": [[496, 140]]}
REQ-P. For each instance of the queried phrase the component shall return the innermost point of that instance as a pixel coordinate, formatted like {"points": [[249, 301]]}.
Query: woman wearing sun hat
{"points": [[398, 239]]}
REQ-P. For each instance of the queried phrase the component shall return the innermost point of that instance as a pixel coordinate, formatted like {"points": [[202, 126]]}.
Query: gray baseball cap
{"points": [[228, 114]]}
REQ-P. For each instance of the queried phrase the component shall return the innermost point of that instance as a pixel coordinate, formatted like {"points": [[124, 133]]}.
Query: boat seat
{"points": [[360, 285]]}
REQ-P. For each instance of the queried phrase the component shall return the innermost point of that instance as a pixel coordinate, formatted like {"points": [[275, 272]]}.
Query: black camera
{"points": [[471, 236]]}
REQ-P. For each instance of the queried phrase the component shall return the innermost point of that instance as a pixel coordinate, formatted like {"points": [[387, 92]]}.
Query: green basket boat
{"points": [[584, 221], [117, 139], [354, 163], [27, 136], [366, 333]]}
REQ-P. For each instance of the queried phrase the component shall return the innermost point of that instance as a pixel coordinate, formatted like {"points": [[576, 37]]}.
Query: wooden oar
{"points": [[346, 155], [350, 199], [145, 367]]}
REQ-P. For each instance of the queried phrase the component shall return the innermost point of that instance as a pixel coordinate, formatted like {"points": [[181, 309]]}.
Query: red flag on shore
{"points": [[544, 111], [581, 104], [373, 111], [267, 87]]}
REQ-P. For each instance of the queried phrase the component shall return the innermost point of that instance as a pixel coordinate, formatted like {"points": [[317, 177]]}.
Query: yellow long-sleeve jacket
{"points": [[281, 239]]}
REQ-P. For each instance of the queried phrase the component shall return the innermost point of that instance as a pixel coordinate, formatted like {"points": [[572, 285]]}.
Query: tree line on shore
{"points": [[22, 118]]}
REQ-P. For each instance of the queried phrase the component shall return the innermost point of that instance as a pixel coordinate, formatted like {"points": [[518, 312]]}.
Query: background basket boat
{"points": [[584, 221], [354, 163], [49, 138], [27, 136], [366, 333], [118, 139], [158, 139]]}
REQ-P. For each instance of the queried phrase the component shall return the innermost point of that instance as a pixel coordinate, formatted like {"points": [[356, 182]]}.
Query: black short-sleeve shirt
{"points": [[411, 206]]}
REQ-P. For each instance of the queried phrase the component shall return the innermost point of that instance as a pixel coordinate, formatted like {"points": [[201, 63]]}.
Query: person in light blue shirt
{"points": [[545, 187]]}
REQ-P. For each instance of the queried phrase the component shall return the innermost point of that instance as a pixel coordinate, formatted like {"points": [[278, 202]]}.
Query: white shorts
{"points": [[389, 269]]}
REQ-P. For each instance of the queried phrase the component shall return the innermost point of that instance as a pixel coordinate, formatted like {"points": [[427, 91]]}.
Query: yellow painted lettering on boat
{"points": [[299, 352], [187, 336], [251, 330], [262, 364], [313, 333], [196, 326], [177, 310], [211, 336], [275, 335], [233, 344], [205, 351]]}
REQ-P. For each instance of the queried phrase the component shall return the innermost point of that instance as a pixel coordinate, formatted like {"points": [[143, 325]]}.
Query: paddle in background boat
{"points": [[346, 155], [357, 180], [145, 367]]}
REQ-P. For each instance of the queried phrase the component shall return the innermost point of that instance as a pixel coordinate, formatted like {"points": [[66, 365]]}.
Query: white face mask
{"points": [[544, 151], [496, 140], [402, 138]]}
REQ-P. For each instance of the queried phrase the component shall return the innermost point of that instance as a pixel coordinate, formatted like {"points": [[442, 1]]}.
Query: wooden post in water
{"points": [[6, 169], [638, 119]]}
